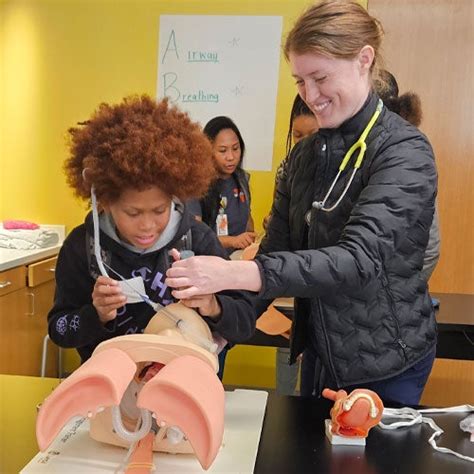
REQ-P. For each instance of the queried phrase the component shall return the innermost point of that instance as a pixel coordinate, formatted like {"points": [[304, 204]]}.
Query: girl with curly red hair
{"points": [[141, 160]]}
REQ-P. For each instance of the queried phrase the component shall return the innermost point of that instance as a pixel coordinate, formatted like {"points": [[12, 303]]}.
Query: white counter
{"points": [[10, 258]]}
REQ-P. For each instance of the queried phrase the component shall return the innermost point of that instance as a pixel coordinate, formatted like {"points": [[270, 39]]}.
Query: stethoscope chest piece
{"points": [[315, 205]]}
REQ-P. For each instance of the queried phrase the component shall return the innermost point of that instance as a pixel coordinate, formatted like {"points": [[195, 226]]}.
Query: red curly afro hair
{"points": [[138, 144]]}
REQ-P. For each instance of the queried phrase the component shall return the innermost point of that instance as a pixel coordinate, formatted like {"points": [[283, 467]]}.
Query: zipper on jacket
{"points": [[400, 341], [323, 150], [331, 364]]}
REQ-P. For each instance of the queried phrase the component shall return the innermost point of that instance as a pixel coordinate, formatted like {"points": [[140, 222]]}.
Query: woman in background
{"points": [[226, 206], [303, 123]]}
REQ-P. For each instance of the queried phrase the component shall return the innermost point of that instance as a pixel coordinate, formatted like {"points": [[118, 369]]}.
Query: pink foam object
{"points": [[157, 348], [99, 382], [187, 393], [13, 224], [250, 251]]}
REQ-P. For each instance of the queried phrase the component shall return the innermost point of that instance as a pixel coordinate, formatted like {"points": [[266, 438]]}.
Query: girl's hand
{"points": [[247, 238], [107, 297], [238, 241], [206, 305]]}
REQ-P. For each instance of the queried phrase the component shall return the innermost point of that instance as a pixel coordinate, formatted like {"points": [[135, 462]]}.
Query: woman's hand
{"points": [[206, 275], [206, 305], [197, 276], [107, 297]]}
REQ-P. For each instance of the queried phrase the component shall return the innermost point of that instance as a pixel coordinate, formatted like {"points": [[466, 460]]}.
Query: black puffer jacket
{"points": [[361, 301]]}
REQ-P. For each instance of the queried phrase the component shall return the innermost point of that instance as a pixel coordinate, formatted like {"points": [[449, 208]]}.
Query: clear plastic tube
{"points": [[122, 466], [95, 220], [192, 335], [174, 435], [131, 436]]}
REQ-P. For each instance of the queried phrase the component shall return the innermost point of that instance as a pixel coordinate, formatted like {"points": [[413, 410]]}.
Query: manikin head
{"points": [[163, 381]]}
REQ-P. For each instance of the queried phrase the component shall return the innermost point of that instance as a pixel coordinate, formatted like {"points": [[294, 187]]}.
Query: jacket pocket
{"points": [[299, 329], [393, 313], [332, 369]]}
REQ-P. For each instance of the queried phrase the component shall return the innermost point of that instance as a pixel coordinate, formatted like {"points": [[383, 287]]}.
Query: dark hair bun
{"points": [[408, 106]]}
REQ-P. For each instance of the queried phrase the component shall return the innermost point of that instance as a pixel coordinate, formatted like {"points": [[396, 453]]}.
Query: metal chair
{"points": [[44, 358]]}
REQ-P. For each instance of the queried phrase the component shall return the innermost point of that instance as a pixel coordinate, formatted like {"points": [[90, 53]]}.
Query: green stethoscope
{"points": [[362, 146]]}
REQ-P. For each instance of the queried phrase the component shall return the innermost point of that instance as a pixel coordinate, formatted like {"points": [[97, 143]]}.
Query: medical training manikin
{"points": [[159, 389]]}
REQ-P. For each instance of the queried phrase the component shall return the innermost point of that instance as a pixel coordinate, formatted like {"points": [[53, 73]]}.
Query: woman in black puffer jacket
{"points": [[349, 247]]}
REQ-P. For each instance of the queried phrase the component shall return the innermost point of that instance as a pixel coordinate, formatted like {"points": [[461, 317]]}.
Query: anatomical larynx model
{"points": [[158, 390], [352, 416]]}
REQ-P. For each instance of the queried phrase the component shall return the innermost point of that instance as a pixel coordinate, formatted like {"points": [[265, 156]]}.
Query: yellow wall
{"points": [[1, 105], [2, 60], [61, 59]]}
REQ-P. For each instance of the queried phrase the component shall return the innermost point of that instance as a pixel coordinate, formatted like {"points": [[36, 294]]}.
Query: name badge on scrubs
{"points": [[222, 225]]}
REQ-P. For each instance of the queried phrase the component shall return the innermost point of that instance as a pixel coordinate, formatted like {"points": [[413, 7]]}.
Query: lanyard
{"points": [[358, 145], [222, 204]]}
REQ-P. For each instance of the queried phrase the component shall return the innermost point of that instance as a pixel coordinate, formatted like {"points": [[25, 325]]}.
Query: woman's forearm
{"points": [[203, 275], [245, 276]]}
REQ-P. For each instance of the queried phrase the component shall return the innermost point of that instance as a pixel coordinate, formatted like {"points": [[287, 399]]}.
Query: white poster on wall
{"points": [[224, 65]]}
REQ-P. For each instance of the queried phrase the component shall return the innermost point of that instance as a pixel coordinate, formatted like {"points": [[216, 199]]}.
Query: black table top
{"points": [[293, 441], [455, 318], [456, 311]]}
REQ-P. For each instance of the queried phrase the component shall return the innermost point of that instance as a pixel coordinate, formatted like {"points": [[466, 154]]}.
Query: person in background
{"points": [[134, 158], [303, 123], [408, 106], [346, 240], [226, 206]]}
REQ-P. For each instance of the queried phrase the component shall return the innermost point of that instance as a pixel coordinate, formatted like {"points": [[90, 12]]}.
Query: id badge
{"points": [[222, 225]]}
